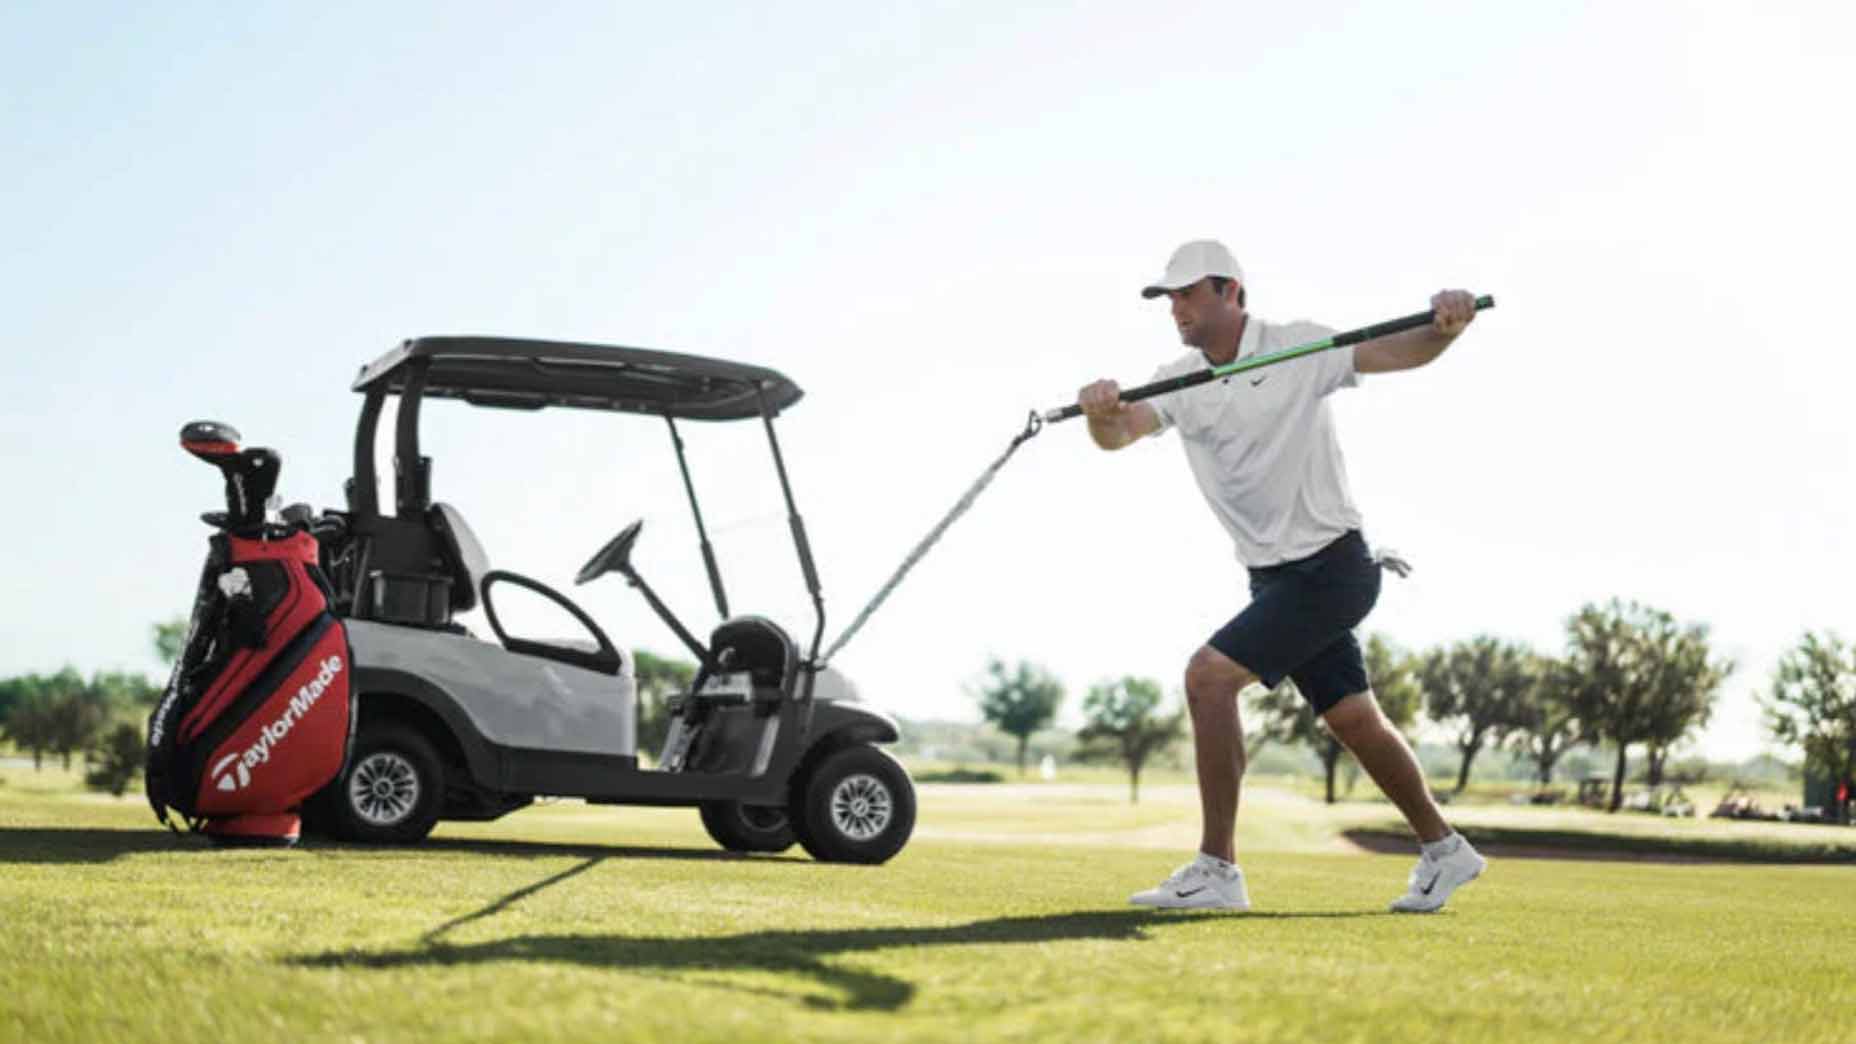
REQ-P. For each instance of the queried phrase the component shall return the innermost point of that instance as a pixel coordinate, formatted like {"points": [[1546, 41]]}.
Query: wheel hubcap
{"points": [[861, 807], [384, 788]]}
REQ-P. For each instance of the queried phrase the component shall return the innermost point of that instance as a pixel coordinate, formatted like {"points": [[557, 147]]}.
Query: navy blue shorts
{"points": [[1300, 620]]}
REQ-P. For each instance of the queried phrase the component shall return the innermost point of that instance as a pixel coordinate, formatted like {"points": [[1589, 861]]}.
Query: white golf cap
{"points": [[1193, 262]]}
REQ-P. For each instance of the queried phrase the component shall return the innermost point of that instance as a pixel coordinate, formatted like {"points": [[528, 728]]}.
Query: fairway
{"points": [[1003, 920]]}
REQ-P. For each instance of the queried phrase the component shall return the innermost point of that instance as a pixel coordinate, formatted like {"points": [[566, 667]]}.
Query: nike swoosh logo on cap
{"points": [[1258, 381]]}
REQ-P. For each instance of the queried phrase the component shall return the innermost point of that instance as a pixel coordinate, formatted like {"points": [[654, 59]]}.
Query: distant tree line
{"points": [[66, 714], [1628, 677]]}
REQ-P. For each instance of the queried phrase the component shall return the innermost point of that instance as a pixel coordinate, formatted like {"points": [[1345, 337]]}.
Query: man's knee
{"points": [[1356, 719], [1211, 675]]}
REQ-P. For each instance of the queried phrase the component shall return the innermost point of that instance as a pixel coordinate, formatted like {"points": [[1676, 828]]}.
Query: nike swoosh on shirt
{"points": [[1258, 381]]}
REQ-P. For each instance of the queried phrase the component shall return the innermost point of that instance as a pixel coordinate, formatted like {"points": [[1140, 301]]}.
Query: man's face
{"points": [[1202, 314]]}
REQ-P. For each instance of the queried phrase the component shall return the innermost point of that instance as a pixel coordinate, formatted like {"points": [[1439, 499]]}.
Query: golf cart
{"points": [[768, 743], [1739, 803], [1595, 791]]}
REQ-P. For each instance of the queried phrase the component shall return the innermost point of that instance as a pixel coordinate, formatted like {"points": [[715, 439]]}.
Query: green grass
{"points": [[1003, 920]]}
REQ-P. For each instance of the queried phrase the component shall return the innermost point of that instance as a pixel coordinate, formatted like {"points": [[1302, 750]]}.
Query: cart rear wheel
{"points": [[393, 789], [740, 827]]}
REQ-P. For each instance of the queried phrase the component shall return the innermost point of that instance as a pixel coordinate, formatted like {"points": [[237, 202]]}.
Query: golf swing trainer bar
{"points": [[1036, 421], [1339, 340]]}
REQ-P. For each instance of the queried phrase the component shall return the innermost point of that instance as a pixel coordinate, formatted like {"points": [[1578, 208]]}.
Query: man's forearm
{"points": [[1413, 348]]}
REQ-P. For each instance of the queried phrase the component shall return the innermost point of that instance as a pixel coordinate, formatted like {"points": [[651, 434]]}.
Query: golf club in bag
{"points": [[258, 714]]}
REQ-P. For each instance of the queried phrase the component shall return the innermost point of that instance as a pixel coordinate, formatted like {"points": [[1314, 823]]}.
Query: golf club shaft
{"points": [[1339, 340]]}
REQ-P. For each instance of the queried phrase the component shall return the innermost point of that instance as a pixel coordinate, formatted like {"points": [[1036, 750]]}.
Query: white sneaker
{"points": [[1198, 886], [1433, 879]]}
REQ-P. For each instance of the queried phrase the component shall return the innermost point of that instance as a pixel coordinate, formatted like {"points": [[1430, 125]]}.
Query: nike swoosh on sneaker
{"points": [[1436, 877], [1183, 895]]}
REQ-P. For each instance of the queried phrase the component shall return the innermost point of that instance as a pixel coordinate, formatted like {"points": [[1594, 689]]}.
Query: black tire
{"points": [[858, 807], [747, 828], [393, 789], [319, 812]]}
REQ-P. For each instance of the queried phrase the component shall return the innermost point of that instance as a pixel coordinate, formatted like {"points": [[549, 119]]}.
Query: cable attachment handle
{"points": [[1034, 423]]}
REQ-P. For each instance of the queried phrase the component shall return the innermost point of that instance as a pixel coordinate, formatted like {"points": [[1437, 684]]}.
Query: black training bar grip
{"points": [[1339, 340]]}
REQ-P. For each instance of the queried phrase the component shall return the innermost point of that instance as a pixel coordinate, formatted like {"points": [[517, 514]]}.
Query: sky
{"points": [[935, 218]]}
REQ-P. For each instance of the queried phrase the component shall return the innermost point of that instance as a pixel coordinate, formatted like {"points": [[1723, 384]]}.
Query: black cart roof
{"points": [[522, 374]]}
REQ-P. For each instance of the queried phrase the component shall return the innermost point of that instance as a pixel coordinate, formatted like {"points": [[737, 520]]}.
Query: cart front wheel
{"points": [[858, 806]]}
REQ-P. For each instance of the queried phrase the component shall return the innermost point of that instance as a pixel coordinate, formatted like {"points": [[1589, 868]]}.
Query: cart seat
{"points": [[463, 555]]}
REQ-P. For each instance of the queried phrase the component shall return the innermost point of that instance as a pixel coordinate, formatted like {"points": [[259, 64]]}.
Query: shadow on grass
{"points": [[100, 845], [77, 845], [433, 937], [1522, 843], [583, 850], [786, 953]]}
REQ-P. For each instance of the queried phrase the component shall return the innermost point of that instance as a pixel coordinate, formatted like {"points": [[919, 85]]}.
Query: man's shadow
{"points": [[782, 952], [799, 953]]}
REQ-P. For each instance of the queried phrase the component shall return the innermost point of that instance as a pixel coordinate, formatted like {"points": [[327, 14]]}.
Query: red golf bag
{"points": [[257, 715]]}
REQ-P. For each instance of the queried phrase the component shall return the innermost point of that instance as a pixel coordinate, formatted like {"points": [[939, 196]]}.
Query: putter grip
{"points": [[1339, 340]]}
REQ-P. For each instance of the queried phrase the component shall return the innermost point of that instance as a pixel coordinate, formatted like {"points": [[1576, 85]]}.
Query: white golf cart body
{"points": [[506, 719]]}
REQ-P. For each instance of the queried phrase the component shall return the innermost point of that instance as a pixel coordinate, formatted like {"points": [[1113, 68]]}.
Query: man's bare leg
{"points": [[1358, 722], [1213, 681]]}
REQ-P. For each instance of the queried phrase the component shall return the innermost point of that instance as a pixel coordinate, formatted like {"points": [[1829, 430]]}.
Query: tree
{"points": [[170, 637], [1476, 687], [1546, 726], [1639, 677], [1678, 709], [116, 759], [657, 679], [13, 690], [1812, 705], [1020, 701], [30, 723], [124, 690], [78, 713], [1122, 721]]}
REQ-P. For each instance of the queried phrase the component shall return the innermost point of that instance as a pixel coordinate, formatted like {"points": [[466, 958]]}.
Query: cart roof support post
{"points": [[702, 533], [797, 525]]}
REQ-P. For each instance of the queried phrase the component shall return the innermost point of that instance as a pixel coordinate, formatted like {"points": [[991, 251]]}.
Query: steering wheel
{"points": [[614, 557]]}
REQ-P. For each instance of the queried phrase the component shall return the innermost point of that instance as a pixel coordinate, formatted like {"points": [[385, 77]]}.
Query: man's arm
{"points": [[1413, 348], [1113, 423]]}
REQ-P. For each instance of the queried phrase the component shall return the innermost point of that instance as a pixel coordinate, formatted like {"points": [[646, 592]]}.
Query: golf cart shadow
{"points": [[52, 845], [584, 850], [807, 955], [74, 845]]}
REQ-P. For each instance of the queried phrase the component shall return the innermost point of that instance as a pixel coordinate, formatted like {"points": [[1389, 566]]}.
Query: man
{"points": [[1262, 447]]}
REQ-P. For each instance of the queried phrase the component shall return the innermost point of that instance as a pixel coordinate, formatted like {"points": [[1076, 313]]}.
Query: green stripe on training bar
{"points": [[1275, 357]]}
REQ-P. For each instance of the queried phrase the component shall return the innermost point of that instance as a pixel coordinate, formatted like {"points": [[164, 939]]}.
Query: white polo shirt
{"points": [[1262, 445]]}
